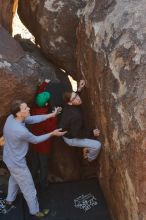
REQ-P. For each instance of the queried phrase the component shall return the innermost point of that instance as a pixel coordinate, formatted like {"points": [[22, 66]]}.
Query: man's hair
{"points": [[67, 96], [15, 107]]}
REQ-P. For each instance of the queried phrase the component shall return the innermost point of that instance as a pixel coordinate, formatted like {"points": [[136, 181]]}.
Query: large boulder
{"points": [[65, 162], [53, 24], [112, 58], [19, 73], [7, 12]]}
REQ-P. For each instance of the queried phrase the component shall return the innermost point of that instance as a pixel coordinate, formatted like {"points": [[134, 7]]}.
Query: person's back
{"points": [[42, 128], [72, 121]]}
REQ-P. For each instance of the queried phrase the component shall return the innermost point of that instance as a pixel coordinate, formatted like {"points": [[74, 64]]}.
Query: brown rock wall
{"points": [[7, 12], [19, 73], [111, 57]]}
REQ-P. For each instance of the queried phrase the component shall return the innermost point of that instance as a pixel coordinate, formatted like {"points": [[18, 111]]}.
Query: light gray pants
{"points": [[21, 178], [93, 146]]}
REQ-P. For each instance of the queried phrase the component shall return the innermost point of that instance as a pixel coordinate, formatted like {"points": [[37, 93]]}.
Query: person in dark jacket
{"points": [[72, 122]]}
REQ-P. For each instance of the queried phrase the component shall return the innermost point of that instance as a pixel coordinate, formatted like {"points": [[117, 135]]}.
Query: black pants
{"points": [[39, 168]]}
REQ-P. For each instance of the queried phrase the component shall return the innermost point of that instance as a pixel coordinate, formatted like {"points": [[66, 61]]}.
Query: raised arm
{"points": [[29, 137], [39, 118], [36, 119]]}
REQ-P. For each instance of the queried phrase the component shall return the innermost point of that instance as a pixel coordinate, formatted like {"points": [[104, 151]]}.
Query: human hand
{"points": [[96, 132], [58, 132], [40, 81], [47, 80], [57, 110], [81, 85]]}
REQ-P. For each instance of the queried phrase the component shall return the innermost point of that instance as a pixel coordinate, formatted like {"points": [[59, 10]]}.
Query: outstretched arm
{"points": [[29, 137], [58, 132], [39, 118], [36, 119], [42, 85]]}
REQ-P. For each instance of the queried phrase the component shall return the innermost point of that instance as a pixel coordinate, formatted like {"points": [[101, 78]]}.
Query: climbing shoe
{"points": [[45, 211], [8, 207], [42, 214]]}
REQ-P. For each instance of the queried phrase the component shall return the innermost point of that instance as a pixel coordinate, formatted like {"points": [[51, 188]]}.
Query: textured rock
{"points": [[19, 73], [111, 57], [7, 11], [54, 23], [65, 162]]}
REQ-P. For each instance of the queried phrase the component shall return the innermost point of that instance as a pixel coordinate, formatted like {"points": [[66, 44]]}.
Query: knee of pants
{"points": [[98, 147], [95, 151]]}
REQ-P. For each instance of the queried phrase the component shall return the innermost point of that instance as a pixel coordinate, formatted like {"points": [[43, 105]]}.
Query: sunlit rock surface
{"points": [[7, 12], [112, 56]]}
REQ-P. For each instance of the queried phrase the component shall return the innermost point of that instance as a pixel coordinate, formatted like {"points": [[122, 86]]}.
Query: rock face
{"points": [[64, 163], [7, 11], [112, 58], [54, 23], [19, 73]]}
